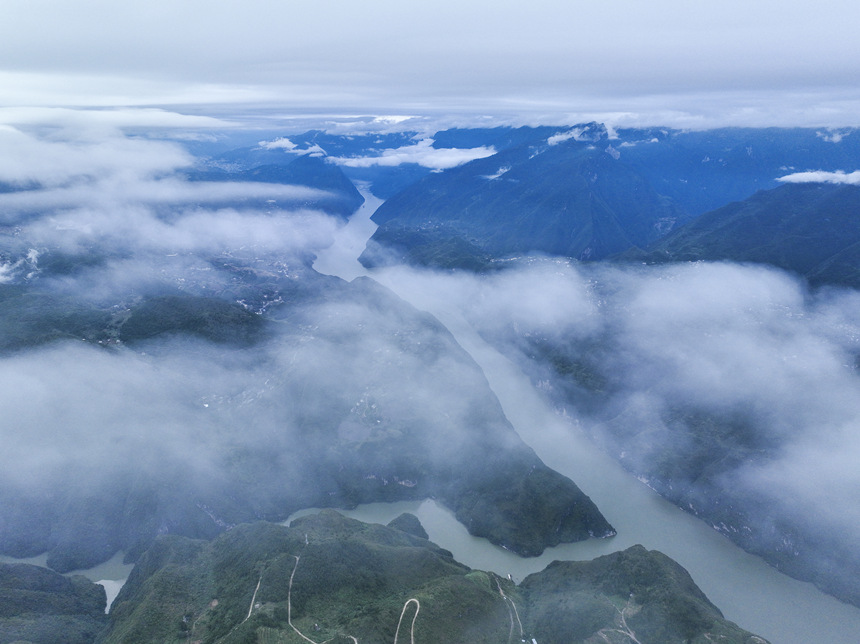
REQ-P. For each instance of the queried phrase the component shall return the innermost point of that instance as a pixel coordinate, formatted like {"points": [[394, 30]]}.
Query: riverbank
{"points": [[747, 590]]}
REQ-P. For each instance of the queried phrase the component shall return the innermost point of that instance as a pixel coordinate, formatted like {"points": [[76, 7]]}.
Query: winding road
{"points": [[748, 591], [414, 617]]}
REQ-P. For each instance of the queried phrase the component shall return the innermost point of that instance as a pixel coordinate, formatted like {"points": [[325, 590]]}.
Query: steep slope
{"points": [[294, 420], [327, 578], [635, 595], [43, 607], [573, 197], [705, 170], [309, 170], [698, 379], [811, 229]]}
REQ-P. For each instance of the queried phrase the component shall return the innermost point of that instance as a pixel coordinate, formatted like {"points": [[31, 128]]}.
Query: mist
{"points": [[725, 338], [732, 390], [310, 382], [172, 364]]}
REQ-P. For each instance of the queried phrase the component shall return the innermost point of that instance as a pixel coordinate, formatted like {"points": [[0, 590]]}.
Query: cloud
{"points": [[115, 207], [577, 134], [145, 411], [138, 229], [693, 63], [422, 153], [822, 176], [149, 118], [393, 119], [281, 143], [834, 136], [727, 340], [92, 421], [29, 159], [119, 191]]}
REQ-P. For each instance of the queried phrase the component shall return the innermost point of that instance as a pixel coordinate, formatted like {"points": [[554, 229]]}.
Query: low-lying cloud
{"points": [[48, 162], [822, 176], [175, 410], [111, 118], [744, 340], [121, 191], [723, 339], [124, 198], [422, 153]]}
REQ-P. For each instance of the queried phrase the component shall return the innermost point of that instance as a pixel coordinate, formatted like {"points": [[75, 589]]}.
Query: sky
{"points": [[671, 62], [99, 67]]}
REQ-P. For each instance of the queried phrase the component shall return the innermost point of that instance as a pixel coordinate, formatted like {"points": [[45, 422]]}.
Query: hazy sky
{"points": [[673, 61]]}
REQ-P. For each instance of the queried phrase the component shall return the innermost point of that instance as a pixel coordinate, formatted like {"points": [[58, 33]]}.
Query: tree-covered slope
{"points": [[574, 197], [705, 170], [811, 229], [634, 595], [283, 418], [40, 606], [328, 578], [309, 170]]}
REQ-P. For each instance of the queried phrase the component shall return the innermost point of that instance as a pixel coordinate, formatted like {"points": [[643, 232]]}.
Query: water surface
{"points": [[747, 590]]}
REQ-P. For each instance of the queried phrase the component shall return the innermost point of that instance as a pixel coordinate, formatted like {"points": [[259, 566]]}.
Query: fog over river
{"points": [[747, 590]]}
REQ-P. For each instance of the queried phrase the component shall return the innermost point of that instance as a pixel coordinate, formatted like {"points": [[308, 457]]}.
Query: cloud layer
{"points": [[723, 339], [822, 176], [422, 153], [667, 60]]}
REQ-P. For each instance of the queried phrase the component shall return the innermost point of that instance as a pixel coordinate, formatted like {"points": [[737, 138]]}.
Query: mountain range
{"points": [[811, 229], [248, 386]]}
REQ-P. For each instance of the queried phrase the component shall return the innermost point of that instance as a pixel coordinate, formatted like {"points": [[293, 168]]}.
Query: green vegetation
{"points": [[40, 606], [30, 318], [208, 318], [810, 229], [334, 579], [570, 199], [634, 593], [437, 248], [410, 524]]}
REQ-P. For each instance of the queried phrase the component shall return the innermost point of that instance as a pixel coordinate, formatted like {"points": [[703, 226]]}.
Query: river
{"points": [[111, 574], [747, 590]]}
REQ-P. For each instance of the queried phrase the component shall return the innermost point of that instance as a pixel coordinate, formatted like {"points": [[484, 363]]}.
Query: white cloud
{"points": [[117, 191], [822, 176], [720, 337], [198, 230], [585, 133], [755, 58], [282, 143], [833, 136], [561, 137], [395, 119], [28, 159], [150, 118], [498, 173], [422, 153]]}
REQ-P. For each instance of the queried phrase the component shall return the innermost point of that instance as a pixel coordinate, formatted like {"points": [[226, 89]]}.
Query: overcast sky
{"points": [[684, 62]]}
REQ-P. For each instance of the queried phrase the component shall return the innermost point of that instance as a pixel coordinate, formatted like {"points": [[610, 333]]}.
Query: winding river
{"points": [[747, 590]]}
